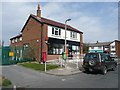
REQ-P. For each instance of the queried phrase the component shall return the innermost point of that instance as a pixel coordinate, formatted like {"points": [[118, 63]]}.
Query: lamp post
{"points": [[65, 32]]}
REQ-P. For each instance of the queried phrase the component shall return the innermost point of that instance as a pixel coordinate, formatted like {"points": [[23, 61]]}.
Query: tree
{"points": [[85, 47], [28, 53]]}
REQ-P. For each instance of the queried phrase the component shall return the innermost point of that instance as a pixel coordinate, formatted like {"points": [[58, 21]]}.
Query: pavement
{"points": [[70, 67]]}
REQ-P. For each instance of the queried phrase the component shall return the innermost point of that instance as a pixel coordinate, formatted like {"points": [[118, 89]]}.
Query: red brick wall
{"points": [[32, 35], [52, 57], [81, 43], [19, 43], [44, 35], [117, 44]]}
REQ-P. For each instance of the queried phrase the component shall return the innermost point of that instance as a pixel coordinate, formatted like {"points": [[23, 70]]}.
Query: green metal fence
{"points": [[19, 54]]}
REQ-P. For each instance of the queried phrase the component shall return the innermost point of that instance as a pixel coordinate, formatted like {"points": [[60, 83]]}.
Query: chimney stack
{"points": [[97, 42], [38, 11]]}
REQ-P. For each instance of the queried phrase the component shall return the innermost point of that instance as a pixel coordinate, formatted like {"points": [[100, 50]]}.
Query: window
{"points": [[20, 39], [99, 47], [113, 46], [91, 56], [70, 34], [26, 46], [92, 47], [52, 30], [56, 31], [13, 41], [73, 34], [16, 40], [55, 48], [59, 31]]}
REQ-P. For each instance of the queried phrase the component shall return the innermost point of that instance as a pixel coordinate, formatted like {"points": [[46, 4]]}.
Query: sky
{"points": [[97, 20]]}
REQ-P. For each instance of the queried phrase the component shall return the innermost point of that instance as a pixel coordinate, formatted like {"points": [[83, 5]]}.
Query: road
{"points": [[23, 77]]}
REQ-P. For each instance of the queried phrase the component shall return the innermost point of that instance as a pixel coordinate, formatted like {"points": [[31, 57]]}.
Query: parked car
{"points": [[98, 61]]}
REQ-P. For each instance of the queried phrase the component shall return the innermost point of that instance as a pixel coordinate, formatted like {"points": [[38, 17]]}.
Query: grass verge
{"points": [[37, 66], [4, 82]]}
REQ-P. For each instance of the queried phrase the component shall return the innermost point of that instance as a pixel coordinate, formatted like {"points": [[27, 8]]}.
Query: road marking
{"points": [[63, 79]]}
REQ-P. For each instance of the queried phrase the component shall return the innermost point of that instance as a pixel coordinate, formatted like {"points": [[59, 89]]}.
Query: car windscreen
{"points": [[91, 56]]}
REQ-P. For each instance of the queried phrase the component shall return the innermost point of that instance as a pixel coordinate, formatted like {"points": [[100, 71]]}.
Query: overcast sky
{"points": [[97, 20]]}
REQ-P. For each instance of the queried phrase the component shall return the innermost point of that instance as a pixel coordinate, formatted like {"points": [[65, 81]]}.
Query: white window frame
{"points": [[73, 35], [16, 40], [20, 38], [13, 41], [56, 29]]}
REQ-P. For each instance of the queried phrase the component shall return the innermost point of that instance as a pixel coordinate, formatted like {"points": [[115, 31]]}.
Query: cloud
{"points": [[98, 21], [14, 16]]}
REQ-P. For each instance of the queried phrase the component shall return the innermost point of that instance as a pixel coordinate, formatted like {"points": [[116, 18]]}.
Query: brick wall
{"points": [[32, 35], [53, 57], [19, 43], [117, 45]]}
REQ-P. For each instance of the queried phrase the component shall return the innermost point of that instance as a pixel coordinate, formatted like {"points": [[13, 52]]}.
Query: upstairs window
{"points": [[13, 41], [113, 47], [56, 31], [20, 38], [52, 30], [73, 34], [92, 47], [16, 40], [99, 47]]}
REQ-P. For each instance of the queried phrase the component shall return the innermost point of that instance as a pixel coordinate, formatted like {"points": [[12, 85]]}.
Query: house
{"points": [[115, 48], [47, 36], [99, 47], [112, 47]]}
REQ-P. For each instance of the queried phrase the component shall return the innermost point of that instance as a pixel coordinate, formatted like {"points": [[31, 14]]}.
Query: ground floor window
{"points": [[59, 48], [55, 48]]}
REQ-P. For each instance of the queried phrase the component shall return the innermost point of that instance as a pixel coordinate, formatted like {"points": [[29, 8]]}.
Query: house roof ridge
{"points": [[54, 23], [16, 36]]}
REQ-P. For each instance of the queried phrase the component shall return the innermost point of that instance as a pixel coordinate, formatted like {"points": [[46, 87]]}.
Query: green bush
{"points": [[6, 82]]}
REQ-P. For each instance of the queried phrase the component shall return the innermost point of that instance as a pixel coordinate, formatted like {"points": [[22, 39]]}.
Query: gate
{"points": [[12, 55], [5, 55]]}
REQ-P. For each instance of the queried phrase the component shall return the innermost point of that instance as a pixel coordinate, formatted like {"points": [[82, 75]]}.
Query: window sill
{"points": [[73, 38], [56, 35]]}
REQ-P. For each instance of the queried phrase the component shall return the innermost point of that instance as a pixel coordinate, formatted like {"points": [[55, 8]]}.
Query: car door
{"points": [[112, 62], [107, 61]]}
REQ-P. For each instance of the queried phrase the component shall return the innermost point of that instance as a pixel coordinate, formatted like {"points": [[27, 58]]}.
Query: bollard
{"points": [[14, 87]]}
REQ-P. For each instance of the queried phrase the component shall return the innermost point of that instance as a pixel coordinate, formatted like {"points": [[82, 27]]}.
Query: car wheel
{"points": [[104, 70], [114, 68], [86, 70], [91, 62]]}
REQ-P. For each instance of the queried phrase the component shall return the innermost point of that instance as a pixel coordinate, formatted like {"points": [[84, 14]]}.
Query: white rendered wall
{"points": [[112, 44], [62, 36]]}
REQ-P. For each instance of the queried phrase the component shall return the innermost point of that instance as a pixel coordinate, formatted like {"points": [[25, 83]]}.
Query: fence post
{"points": [[45, 66]]}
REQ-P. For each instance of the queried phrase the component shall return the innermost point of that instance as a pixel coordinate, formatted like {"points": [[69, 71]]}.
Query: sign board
{"points": [[11, 54]]}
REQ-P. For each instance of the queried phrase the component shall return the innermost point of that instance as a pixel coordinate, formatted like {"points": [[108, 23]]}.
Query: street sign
{"points": [[11, 54]]}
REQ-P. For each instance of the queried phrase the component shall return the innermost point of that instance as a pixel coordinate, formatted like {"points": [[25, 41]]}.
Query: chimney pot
{"points": [[38, 11]]}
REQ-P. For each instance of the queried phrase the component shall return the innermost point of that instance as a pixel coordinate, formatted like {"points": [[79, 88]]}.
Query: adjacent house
{"points": [[45, 35], [115, 48], [108, 47]]}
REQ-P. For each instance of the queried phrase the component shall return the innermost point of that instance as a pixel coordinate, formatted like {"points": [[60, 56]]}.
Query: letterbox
{"points": [[44, 56]]}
